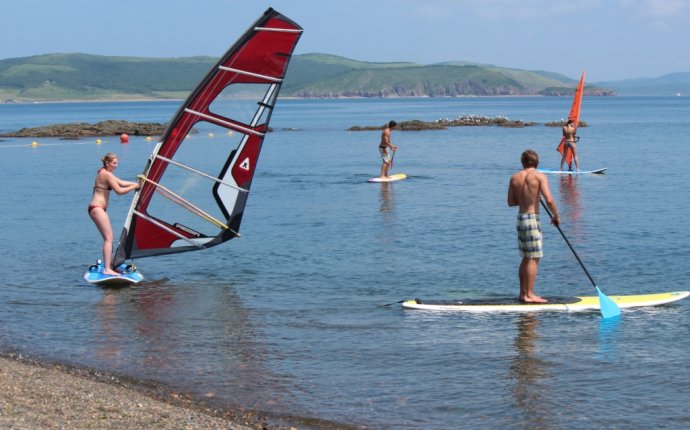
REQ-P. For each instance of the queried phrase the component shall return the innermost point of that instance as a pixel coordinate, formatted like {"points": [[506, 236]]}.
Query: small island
{"points": [[562, 122], [81, 129], [445, 123], [78, 130]]}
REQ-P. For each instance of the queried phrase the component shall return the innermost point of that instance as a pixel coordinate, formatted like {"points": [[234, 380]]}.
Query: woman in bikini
{"points": [[570, 145], [106, 181]]}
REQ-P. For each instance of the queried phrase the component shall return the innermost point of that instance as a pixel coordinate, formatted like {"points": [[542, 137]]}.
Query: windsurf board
{"points": [[573, 172], [129, 276]]}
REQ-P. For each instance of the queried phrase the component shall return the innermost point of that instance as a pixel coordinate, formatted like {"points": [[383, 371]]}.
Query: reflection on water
{"points": [[570, 196], [609, 331], [529, 373], [197, 335], [386, 199], [387, 209], [107, 344]]}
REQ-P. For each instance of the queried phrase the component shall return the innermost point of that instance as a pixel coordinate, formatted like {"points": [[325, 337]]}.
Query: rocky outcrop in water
{"points": [[442, 124], [82, 129], [562, 122]]}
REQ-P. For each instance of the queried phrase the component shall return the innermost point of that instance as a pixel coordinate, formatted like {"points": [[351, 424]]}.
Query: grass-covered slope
{"points": [[88, 77]]}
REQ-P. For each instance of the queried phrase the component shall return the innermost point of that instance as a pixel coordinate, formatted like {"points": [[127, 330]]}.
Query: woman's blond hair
{"points": [[107, 158]]}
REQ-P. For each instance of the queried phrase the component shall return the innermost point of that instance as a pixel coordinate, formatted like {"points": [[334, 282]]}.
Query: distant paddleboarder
{"points": [[387, 157], [524, 190]]}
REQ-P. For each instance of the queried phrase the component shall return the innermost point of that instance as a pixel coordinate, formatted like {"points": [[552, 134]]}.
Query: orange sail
{"points": [[574, 115]]}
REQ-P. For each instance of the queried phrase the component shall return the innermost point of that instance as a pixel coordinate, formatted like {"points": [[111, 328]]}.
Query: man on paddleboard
{"points": [[525, 190], [569, 145], [386, 157]]}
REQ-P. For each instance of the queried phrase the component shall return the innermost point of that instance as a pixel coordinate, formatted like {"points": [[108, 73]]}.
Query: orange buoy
{"points": [[124, 138]]}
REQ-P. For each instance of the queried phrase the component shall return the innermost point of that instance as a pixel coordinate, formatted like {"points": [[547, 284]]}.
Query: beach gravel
{"points": [[35, 395]]}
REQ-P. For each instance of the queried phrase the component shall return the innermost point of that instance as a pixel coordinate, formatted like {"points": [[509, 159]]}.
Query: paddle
{"points": [[608, 307], [392, 157], [390, 304]]}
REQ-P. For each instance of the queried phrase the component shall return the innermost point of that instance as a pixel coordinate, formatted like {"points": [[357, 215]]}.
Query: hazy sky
{"points": [[611, 39]]}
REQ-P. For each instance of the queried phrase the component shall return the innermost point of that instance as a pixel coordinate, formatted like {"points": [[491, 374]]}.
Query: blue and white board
{"points": [[129, 276], [391, 178], [574, 172]]}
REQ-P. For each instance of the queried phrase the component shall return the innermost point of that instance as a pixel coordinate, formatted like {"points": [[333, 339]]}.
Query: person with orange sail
{"points": [[567, 144]]}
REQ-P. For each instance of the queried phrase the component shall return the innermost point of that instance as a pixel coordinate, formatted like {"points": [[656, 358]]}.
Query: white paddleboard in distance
{"points": [[391, 178], [573, 172], [568, 304], [129, 276]]}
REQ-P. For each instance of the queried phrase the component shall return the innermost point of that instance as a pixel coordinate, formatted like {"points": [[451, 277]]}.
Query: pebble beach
{"points": [[39, 395]]}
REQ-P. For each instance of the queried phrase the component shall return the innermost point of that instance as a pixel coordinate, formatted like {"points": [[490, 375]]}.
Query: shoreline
{"points": [[180, 100], [41, 393]]}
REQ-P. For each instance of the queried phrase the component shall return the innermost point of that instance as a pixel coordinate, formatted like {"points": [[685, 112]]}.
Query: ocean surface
{"points": [[289, 319]]}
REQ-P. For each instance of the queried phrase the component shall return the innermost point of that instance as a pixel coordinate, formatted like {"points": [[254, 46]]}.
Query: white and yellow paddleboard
{"points": [[391, 178], [570, 304]]}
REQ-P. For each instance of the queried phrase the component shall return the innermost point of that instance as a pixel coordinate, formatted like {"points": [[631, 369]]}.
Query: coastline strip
{"points": [[44, 395]]}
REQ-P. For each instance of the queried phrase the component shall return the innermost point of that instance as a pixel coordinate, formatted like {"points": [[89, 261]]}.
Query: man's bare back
{"points": [[526, 187]]}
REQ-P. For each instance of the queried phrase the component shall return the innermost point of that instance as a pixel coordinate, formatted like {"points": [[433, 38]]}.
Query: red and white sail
{"points": [[574, 115], [196, 183]]}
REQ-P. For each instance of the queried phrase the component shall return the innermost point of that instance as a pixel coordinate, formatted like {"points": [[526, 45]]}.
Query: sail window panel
{"points": [[186, 199], [245, 103]]}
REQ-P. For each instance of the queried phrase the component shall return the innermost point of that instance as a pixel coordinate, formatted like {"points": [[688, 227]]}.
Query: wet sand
{"points": [[39, 395]]}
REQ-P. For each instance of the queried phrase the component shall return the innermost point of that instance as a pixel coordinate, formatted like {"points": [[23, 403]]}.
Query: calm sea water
{"points": [[288, 320]]}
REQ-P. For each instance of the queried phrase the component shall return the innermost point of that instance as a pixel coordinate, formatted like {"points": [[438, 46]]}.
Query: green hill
{"points": [[90, 77], [81, 76], [323, 75], [309, 68], [416, 81]]}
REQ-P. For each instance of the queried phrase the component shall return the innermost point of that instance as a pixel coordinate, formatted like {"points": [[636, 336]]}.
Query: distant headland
{"points": [[81, 77]]}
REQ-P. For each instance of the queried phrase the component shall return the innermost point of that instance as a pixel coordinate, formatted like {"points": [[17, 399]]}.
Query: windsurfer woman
{"points": [[106, 181], [570, 147]]}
